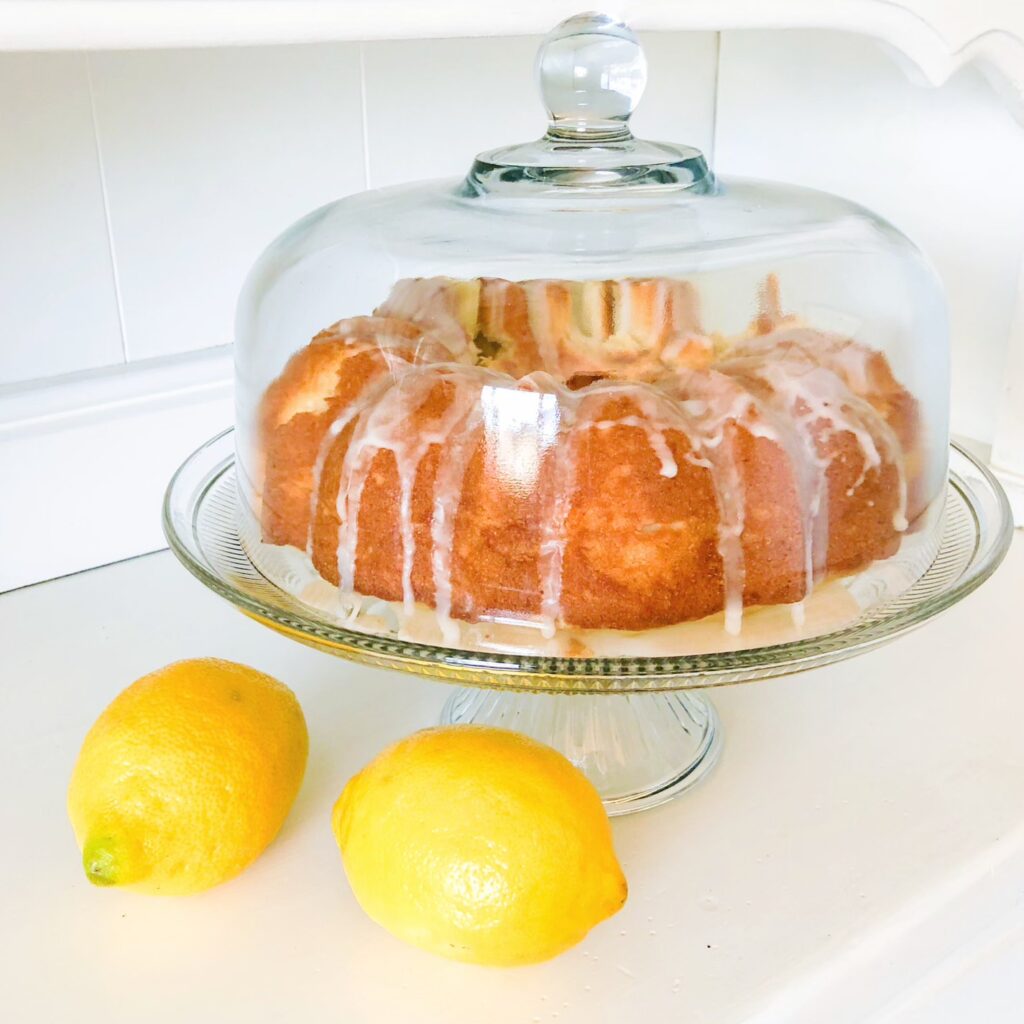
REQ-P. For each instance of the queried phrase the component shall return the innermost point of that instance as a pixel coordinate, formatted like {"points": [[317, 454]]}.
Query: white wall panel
{"points": [[433, 104], [679, 102], [84, 461], [58, 307], [209, 154], [945, 165]]}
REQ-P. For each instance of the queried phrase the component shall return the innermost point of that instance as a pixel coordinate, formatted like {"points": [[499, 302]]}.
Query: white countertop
{"points": [[857, 855]]}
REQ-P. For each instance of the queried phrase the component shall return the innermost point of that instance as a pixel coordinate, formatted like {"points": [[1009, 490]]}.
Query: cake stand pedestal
{"points": [[638, 749], [635, 725]]}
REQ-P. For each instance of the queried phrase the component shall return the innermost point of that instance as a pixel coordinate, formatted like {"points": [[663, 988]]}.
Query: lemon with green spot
{"points": [[187, 777]]}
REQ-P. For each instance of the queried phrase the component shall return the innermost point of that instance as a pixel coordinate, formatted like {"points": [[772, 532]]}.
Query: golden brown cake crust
{"points": [[735, 478]]}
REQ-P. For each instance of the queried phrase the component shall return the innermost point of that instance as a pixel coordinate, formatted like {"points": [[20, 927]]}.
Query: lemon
{"points": [[479, 844], [187, 776]]}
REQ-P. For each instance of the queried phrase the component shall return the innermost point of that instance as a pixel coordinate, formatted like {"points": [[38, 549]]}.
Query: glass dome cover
{"points": [[592, 398]]}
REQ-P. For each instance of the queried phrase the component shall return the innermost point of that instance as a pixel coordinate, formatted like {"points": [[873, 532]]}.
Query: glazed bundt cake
{"points": [[584, 454]]}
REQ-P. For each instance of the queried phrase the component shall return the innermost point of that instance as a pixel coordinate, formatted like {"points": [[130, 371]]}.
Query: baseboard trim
{"points": [[85, 459]]}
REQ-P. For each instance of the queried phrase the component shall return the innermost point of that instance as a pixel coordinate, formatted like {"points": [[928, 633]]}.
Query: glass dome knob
{"points": [[592, 73]]}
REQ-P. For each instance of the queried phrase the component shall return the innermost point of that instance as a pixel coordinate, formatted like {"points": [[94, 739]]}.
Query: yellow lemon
{"points": [[187, 776], [479, 844]]}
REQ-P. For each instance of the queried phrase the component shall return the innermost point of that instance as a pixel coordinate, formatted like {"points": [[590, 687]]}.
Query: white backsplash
{"points": [[58, 304], [207, 155]]}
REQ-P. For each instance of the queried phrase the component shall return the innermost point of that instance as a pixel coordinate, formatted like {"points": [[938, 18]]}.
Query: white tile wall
{"points": [[679, 102], [208, 155], [433, 104], [945, 165], [58, 307]]}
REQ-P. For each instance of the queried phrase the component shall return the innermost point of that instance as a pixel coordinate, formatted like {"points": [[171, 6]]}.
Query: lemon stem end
{"points": [[107, 861]]}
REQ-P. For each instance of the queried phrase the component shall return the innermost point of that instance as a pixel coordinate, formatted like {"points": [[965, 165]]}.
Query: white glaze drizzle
{"points": [[408, 459], [779, 388], [538, 308], [428, 301], [335, 429], [338, 425], [850, 363], [712, 425], [808, 468], [704, 422], [622, 309], [387, 429], [655, 437], [451, 475], [557, 493], [808, 403]]}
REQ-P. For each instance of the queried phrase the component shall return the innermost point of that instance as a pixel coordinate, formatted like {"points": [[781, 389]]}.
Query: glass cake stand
{"points": [[635, 725]]}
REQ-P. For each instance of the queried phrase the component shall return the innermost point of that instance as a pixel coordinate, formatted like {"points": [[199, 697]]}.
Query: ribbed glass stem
{"points": [[639, 750]]}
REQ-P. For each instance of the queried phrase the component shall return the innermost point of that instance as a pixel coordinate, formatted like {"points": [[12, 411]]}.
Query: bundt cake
{"points": [[583, 453]]}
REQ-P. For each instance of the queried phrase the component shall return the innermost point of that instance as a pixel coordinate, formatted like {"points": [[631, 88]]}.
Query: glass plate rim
{"points": [[583, 674]]}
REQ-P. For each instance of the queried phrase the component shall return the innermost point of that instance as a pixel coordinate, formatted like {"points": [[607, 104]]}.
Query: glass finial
{"points": [[592, 73]]}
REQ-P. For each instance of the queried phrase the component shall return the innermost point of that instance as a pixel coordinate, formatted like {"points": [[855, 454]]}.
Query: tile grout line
{"points": [[714, 103], [81, 572], [362, 110], [106, 210]]}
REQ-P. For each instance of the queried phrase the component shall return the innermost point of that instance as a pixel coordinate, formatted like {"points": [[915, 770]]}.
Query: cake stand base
{"points": [[638, 750]]}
